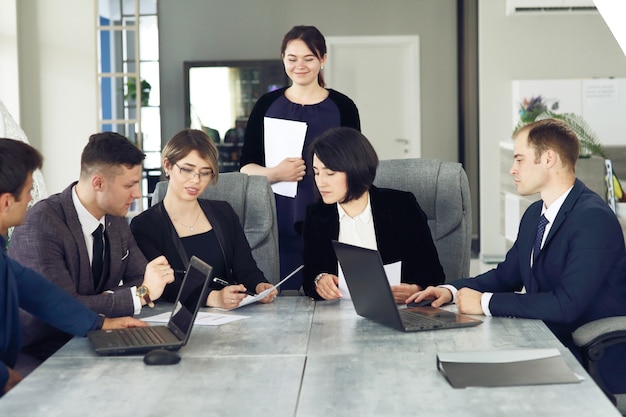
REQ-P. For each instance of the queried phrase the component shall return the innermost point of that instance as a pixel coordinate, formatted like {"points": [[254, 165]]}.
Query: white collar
{"points": [[365, 216], [552, 211], [87, 221]]}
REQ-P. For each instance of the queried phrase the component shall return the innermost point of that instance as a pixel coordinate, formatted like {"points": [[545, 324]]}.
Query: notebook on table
{"points": [[172, 336], [372, 297]]}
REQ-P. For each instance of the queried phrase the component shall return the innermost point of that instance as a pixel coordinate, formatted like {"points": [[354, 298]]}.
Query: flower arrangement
{"points": [[535, 108]]}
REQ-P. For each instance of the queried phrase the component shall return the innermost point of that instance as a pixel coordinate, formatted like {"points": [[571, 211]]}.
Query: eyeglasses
{"points": [[191, 174]]}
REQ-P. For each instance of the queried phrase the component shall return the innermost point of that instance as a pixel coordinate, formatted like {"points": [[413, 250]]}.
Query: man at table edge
{"points": [[579, 272], [21, 287]]}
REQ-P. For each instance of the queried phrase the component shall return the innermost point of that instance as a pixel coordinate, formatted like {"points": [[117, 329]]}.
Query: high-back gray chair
{"points": [[442, 190], [253, 201], [592, 339]]}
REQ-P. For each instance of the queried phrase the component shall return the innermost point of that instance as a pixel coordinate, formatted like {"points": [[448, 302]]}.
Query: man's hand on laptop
{"points": [[326, 287], [158, 274], [439, 295], [122, 323], [468, 301], [403, 291]]}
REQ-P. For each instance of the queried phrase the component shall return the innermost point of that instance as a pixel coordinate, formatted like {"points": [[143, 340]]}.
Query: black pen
{"points": [[226, 283]]}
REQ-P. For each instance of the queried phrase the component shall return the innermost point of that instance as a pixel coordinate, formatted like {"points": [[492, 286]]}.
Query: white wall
{"points": [[545, 46], [9, 91], [241, 29], [57, 82]]}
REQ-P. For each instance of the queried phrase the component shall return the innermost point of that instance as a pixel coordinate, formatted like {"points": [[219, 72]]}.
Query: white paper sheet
{"points": [[253, 299], [283, 139], [202, 319], [393, 272]]}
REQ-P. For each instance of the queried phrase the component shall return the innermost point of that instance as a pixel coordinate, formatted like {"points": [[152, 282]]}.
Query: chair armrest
{"points": [[601, 331]]}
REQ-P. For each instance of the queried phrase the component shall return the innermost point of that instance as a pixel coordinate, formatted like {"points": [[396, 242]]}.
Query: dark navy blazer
{"points": [[579, 275]]}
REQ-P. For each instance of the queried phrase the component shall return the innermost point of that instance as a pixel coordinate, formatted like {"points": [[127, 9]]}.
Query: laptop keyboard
{"points": [[418, 321], [140, 336]]}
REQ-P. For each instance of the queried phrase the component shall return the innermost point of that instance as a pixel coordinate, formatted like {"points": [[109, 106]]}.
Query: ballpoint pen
{"points": [[225, 283]]}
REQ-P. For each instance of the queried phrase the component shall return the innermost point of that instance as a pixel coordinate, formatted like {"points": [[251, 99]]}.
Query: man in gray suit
{"points": [[106, 272]]}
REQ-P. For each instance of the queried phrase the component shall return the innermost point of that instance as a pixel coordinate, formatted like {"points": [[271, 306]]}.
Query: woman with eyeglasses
{"points": [[183, 225]]}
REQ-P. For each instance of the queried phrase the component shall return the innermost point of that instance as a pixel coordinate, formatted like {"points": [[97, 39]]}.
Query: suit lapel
{"points": [[561, 216], [383, 219], [80, 257], [219, 233], [567, 206]]}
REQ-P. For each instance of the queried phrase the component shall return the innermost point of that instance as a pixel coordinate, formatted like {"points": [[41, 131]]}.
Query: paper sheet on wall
{"points": [[283, 139], [393, 272]]}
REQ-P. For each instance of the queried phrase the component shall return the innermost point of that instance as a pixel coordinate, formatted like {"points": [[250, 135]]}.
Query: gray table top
{"points": [[296, 357]]}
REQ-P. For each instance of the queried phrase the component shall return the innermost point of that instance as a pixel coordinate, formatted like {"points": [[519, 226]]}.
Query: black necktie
{"points": [[540, 230], [98, 255]]}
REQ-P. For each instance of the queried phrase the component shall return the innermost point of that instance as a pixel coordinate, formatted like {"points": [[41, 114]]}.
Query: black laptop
{"points": [[170, 337], [371, 294]]}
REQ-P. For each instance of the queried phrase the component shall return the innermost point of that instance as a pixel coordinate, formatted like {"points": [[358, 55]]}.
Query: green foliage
{"points": [[131, 91], [586, 135], [535, 109]]}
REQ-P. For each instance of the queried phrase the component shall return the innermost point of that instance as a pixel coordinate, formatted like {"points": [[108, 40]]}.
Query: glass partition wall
{"points": [[128, 75], [219, 96]]}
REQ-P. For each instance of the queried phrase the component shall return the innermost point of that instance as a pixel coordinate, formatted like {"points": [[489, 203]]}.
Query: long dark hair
{"points": [[313, 39]]}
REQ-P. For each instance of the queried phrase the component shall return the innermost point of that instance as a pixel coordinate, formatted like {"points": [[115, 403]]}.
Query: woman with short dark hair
{"points": [[354, 211]]}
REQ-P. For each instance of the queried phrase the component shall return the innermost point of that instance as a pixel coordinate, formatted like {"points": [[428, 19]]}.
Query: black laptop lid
{"points": [[367, 281], [194, 286]]}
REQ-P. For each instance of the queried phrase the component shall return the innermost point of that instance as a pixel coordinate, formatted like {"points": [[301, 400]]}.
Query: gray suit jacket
{"points": [[51, 242]]}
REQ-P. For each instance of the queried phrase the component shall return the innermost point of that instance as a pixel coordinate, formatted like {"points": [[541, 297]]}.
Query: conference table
{"points": [[298, 357]]}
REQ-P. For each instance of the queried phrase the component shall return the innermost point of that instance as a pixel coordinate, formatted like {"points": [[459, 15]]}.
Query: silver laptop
{"points": [[371, 294], [170, 337]]}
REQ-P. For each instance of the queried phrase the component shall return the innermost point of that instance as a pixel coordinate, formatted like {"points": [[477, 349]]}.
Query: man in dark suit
{"points": [[21, 287], [576, 272], [56, 240]]}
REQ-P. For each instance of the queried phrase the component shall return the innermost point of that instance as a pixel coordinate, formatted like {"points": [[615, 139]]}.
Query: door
{"points": [[381, 75]]}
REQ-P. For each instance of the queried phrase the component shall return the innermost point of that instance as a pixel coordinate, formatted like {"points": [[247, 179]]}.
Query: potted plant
{"points": [[131, 91], [536, 109]]}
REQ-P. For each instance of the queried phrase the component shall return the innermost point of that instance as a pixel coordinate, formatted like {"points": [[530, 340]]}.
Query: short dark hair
{"points": [[109, 150], [189, 140], [556, 135], [17, 160], [313, 39], [344, 149]]}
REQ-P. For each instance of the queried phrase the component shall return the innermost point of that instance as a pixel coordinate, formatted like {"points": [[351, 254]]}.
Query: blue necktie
{"points": [[540, 230]]}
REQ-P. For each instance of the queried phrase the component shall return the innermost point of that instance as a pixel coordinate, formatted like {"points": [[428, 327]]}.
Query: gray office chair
{"points": [[592, 338], [253, 201], [442, 190]]}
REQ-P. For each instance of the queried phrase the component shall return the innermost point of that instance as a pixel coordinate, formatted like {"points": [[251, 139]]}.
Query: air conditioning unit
{"points": [[532, 7]]}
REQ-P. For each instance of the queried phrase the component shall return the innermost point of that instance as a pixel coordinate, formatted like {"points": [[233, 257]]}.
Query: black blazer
{"points": [[153, 232], [402, 234]]}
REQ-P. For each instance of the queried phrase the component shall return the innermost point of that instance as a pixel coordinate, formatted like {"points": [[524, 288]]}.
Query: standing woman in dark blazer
{"points": [[354, 211], [183, 225], [303, 52]]}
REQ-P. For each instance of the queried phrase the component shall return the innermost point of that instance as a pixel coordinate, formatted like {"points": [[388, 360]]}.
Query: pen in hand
{"points": [[225, 283]]}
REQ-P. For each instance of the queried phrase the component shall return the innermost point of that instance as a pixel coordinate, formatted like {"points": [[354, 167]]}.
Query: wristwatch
{"points": [[144, 292]]}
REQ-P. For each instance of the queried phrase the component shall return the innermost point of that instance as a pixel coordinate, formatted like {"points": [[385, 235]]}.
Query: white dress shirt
{"points": [[357, 231]]}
